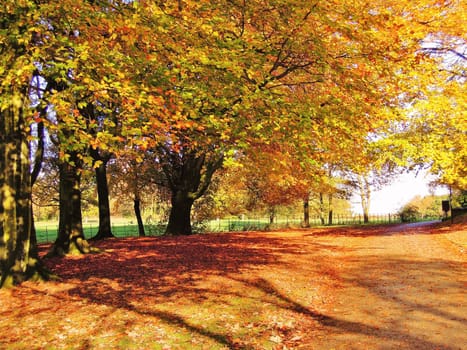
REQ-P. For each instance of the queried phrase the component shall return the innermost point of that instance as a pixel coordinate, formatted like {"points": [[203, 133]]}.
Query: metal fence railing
{"points": [[47, 232]]}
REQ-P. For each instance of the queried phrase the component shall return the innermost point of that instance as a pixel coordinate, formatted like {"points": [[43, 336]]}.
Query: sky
{"points": [[394, 196]]}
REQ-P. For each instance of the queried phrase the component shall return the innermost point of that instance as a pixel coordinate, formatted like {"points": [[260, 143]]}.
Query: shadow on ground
{"points": [[140, 275]]}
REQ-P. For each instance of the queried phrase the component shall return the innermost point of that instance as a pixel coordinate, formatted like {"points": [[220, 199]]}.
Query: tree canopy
{"points": [[317, 86]]}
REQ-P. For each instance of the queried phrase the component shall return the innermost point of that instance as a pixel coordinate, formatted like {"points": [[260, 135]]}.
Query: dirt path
{"points": [[403, 288]]}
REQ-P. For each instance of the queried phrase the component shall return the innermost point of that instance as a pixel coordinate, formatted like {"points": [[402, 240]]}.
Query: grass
{"points": [[123, 227], [46, 231]]}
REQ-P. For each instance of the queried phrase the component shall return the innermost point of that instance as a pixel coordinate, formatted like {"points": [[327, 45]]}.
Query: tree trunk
{"points": [[366, 217], [139, 219], [105, 229], [365, 195], [36, 169], [70, 239], [180, 214], [272, 215], [19, 260], [306, 212], [188, 175], [321, 209], [330, 209]]}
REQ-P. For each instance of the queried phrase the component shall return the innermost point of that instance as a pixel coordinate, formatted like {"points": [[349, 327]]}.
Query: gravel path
{"points": [[402, 288]]}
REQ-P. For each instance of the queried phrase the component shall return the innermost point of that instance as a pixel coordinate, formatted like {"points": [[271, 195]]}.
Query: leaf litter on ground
{"points": [[249, 290]]}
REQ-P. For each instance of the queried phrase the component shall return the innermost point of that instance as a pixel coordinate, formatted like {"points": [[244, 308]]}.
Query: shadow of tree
{"points": [[432, 282], [132, 272], [136, 274], [429, 227], [342, 325]]}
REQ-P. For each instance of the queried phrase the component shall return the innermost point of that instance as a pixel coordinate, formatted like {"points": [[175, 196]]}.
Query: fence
{"points": [[47, 232]]}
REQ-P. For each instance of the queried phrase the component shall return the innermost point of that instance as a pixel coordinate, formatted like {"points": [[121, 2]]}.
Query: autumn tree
{"points": [[95, 102], [236, 68], [435, 127], [102, 157], [230, 196], [329, 189], [45, 193], [18, 254], [272, 178], [55, 68], [438, 136], [64, 125], [380, 162], [100, 154], [193, 81], [188, 176], [422, 208], [135, 177]]}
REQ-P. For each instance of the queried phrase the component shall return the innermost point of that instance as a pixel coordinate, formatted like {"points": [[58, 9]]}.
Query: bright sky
{"points": [[391, 198]]}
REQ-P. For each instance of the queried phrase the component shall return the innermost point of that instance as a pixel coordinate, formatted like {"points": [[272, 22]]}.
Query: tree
{"points": [[436, 116], [365, 182], [409, 213], [240, 64], [100, 156], [46, 191], [230, 194], [135, 176], [70, 237], [18, 255], [93, 102], [140, 177], [105, 230], [272, 177], [418, 208], [326, 191], [438, 136], [188, 176], [228, 76], [19, 259]]}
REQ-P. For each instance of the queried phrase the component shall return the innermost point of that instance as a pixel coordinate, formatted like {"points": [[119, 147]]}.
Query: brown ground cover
{"points": [[392, 287]]}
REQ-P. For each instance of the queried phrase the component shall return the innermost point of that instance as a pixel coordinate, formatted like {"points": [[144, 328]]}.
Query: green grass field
{"points": [[124, 227], [46, 231]]}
